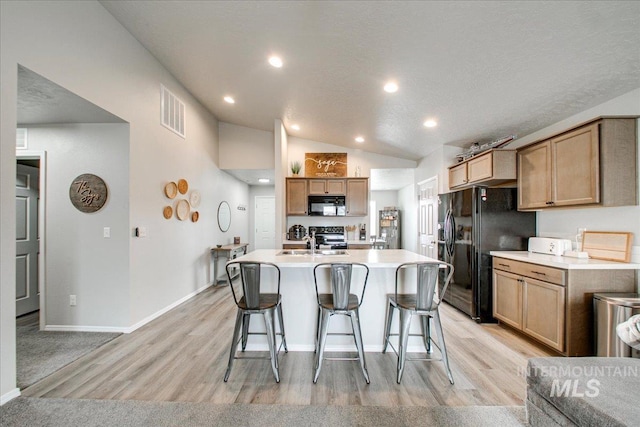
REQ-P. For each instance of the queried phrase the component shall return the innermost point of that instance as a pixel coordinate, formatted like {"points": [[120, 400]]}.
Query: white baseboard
{"points": [[80, 328], [9, 396], [125, 329]]}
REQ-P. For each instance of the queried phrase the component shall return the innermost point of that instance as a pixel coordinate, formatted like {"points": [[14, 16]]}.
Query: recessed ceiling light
{"points": [[263, 180], [391, 87], [430, 123], [359, 139], [275, 61], [295, 127], [229, 99]]}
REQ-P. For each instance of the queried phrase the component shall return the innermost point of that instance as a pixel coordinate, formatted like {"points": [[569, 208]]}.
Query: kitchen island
{"points": [[299, 298]]}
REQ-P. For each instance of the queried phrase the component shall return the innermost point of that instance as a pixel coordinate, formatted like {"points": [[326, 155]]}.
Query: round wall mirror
{"points": [[224, 216]]}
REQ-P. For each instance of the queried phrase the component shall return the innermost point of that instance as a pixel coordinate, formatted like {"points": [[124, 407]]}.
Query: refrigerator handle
{"points": [[452, 232]]}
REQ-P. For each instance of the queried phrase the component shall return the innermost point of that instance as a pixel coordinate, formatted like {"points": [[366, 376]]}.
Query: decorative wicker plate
{"points": [[182, 209], [183, 186], [195, 216], [167, 212], [194, 198], [171, 190]]}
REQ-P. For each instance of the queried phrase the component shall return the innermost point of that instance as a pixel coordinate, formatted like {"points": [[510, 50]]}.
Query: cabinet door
{"points": [[296, 196], [335, 186], [357, 197], [458, 175], [480, 168], [534, 176], [543, 314], [507, 298], [576, 167], [317, 186]]}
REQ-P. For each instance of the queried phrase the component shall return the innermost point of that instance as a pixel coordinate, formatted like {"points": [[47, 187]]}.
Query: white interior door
{"points": [[27, 292], [265, 220], [428, 217]]}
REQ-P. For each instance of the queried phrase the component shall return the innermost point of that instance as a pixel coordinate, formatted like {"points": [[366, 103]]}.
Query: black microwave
{"points": [[327, 206]]}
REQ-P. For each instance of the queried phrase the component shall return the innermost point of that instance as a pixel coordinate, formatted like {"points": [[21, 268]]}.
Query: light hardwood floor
{"points": [[182, 356]]}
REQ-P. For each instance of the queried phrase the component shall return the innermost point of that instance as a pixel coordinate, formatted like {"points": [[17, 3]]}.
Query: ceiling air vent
{"points": [[172, 112]]}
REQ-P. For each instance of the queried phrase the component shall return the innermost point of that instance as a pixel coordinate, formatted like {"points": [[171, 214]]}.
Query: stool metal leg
{"points": [[271, 340], [245, 329], [284, 339], [405, 324], [324, 318], [357, 335], [443, 347], [426, 332], [234, 343], [318, 322], [387, 330]]}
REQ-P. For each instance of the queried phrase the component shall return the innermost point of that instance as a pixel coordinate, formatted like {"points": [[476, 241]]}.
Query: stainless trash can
{"points": [[610, 310]]}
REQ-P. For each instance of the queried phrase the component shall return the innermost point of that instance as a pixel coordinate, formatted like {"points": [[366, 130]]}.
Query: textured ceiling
{"points": [[40, 101], [482, 69]]}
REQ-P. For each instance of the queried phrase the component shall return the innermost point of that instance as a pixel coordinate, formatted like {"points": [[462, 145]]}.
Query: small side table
{"points": [[227, 251]]}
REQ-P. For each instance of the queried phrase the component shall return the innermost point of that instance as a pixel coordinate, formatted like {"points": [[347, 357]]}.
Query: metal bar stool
{"points": [[251, 301], [423, 303], [339, 302]]}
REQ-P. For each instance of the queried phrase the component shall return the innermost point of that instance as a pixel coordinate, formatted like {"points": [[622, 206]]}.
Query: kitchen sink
{"points": [[317, 252]]}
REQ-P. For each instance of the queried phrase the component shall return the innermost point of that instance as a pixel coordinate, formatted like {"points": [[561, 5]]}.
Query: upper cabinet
{"points": [[490, 168], [326, 186], [356, 191], [357, 197], [296, 196], [594, 164]]}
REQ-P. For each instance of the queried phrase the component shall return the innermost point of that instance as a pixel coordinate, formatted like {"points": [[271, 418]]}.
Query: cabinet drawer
{"points": [[536, 271]]}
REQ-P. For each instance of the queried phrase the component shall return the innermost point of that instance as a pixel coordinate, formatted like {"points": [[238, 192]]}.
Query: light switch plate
{"points": [[107, 232]]}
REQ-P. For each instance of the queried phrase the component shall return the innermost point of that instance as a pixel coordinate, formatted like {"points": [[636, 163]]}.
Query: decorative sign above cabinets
{"points": [[88, 193], [325, 165]]}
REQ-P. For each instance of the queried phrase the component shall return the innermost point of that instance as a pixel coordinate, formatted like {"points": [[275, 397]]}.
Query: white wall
{"points": [[66, 42], [79, 260], [407, 202], [367, 161], [236, 141]]}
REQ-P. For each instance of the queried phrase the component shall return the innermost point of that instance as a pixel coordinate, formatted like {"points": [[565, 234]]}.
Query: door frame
{"points": [[42, 156]]}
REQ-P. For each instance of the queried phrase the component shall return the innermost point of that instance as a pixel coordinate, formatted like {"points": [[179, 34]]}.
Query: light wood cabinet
{"points": [[355, 189], [507, 298], [296, 196], [594, 164], [326, 186], [493, 167], [553, 305], [543, 312], [357, 197]]}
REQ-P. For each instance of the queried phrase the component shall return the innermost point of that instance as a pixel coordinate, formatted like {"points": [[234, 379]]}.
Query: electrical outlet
{"points": [[72, 300], [107, 232]]}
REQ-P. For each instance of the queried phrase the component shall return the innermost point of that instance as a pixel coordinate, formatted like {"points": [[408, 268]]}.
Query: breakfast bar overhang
{"points": [[299, 297]]}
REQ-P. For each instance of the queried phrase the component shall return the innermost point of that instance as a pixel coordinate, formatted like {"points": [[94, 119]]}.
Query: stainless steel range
{"points": [[329, 237]]}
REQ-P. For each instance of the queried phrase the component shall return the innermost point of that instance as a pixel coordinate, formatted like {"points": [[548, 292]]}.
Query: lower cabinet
{"points": [[543, 312], [554, 305]]}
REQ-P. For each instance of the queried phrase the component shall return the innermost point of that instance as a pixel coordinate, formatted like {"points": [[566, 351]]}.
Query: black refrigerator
{"points": [[472, 223]]}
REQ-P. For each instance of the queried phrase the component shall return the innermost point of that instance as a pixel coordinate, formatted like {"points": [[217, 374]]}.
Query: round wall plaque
{"points": [[88, 193]]}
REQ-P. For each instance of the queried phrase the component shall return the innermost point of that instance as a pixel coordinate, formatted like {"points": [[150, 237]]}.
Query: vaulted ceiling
{"points": [[482, 70]]}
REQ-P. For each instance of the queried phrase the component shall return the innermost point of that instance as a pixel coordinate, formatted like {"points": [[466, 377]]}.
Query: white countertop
{"points": [[388, 258], [565, 262]]}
